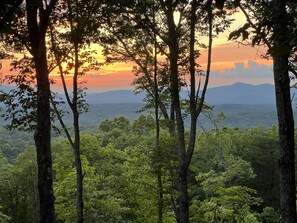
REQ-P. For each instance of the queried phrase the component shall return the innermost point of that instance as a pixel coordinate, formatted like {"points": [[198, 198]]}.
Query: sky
{"points": [[231, 62]]}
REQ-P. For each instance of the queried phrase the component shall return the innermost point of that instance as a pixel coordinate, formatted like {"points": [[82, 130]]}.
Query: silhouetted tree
{"points": [[27, 30], [274, 24]]}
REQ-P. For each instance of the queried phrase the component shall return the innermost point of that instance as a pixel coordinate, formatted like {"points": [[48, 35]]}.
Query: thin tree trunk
{"points": [[284, 113], [156, 96], [79, 174], [159, 168], [160, 195], [196, 104], [184, 157], [193, 100], [78, 165]]}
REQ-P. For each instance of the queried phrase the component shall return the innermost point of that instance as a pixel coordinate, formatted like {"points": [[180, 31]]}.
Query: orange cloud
{"points": [[120, 76], [224, 56]]}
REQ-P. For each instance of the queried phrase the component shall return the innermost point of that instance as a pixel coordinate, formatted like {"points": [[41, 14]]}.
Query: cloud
{"points": [[248, 70]]}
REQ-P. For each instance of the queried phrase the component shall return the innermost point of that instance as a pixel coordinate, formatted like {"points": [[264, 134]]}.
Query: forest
{"points": [[163, 166], [233, 176]]}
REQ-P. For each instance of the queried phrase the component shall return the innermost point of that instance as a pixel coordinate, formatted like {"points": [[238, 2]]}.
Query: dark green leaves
{"points": [[241, 32]]}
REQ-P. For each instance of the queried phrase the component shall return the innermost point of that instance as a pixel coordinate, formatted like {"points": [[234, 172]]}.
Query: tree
{"points": [[27, 30], [175, 50], [68, 49], [66, 184], [274, 24], [260, 147], [70, 31], [176, 41], [37, 21]]}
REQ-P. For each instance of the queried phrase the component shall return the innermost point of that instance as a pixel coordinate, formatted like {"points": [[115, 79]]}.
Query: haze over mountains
{"points": [[245, 105], [238, 93]]}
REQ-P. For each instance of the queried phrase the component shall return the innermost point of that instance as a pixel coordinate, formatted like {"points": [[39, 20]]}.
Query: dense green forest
{"points": [[233, 176]]}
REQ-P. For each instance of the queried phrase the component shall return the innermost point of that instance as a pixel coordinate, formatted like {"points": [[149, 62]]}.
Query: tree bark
{"points": [[287, 141], [42, 138], [280, 53]]}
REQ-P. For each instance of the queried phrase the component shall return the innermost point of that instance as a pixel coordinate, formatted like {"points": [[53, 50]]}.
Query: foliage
{"points": [[234, 160], [19, 196], [231, 204], [119, 168], [21, 101], [269, 215], [13, 143]]}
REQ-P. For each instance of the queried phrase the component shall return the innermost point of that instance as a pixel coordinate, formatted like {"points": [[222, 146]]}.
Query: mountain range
{"points": [[238, 93], [245, 105]]}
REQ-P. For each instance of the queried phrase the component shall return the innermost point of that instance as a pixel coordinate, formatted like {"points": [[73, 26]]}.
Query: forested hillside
{"points": [[237, 115], [233, 176]]}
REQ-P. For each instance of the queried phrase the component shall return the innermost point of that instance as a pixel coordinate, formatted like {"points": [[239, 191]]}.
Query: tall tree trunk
{"points": [[37, 23], [196, 103], [174, 81], [42, 138], [182, 169], [287, 141], [281, 52]]}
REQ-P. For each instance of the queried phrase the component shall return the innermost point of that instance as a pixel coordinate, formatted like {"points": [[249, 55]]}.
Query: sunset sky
{"points": [[231, 62]]}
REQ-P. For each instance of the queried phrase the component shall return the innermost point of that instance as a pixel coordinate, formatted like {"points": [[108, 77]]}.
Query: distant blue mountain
{"points": [[117, 96], [238, 93], [245, 105], [241, 93]]}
